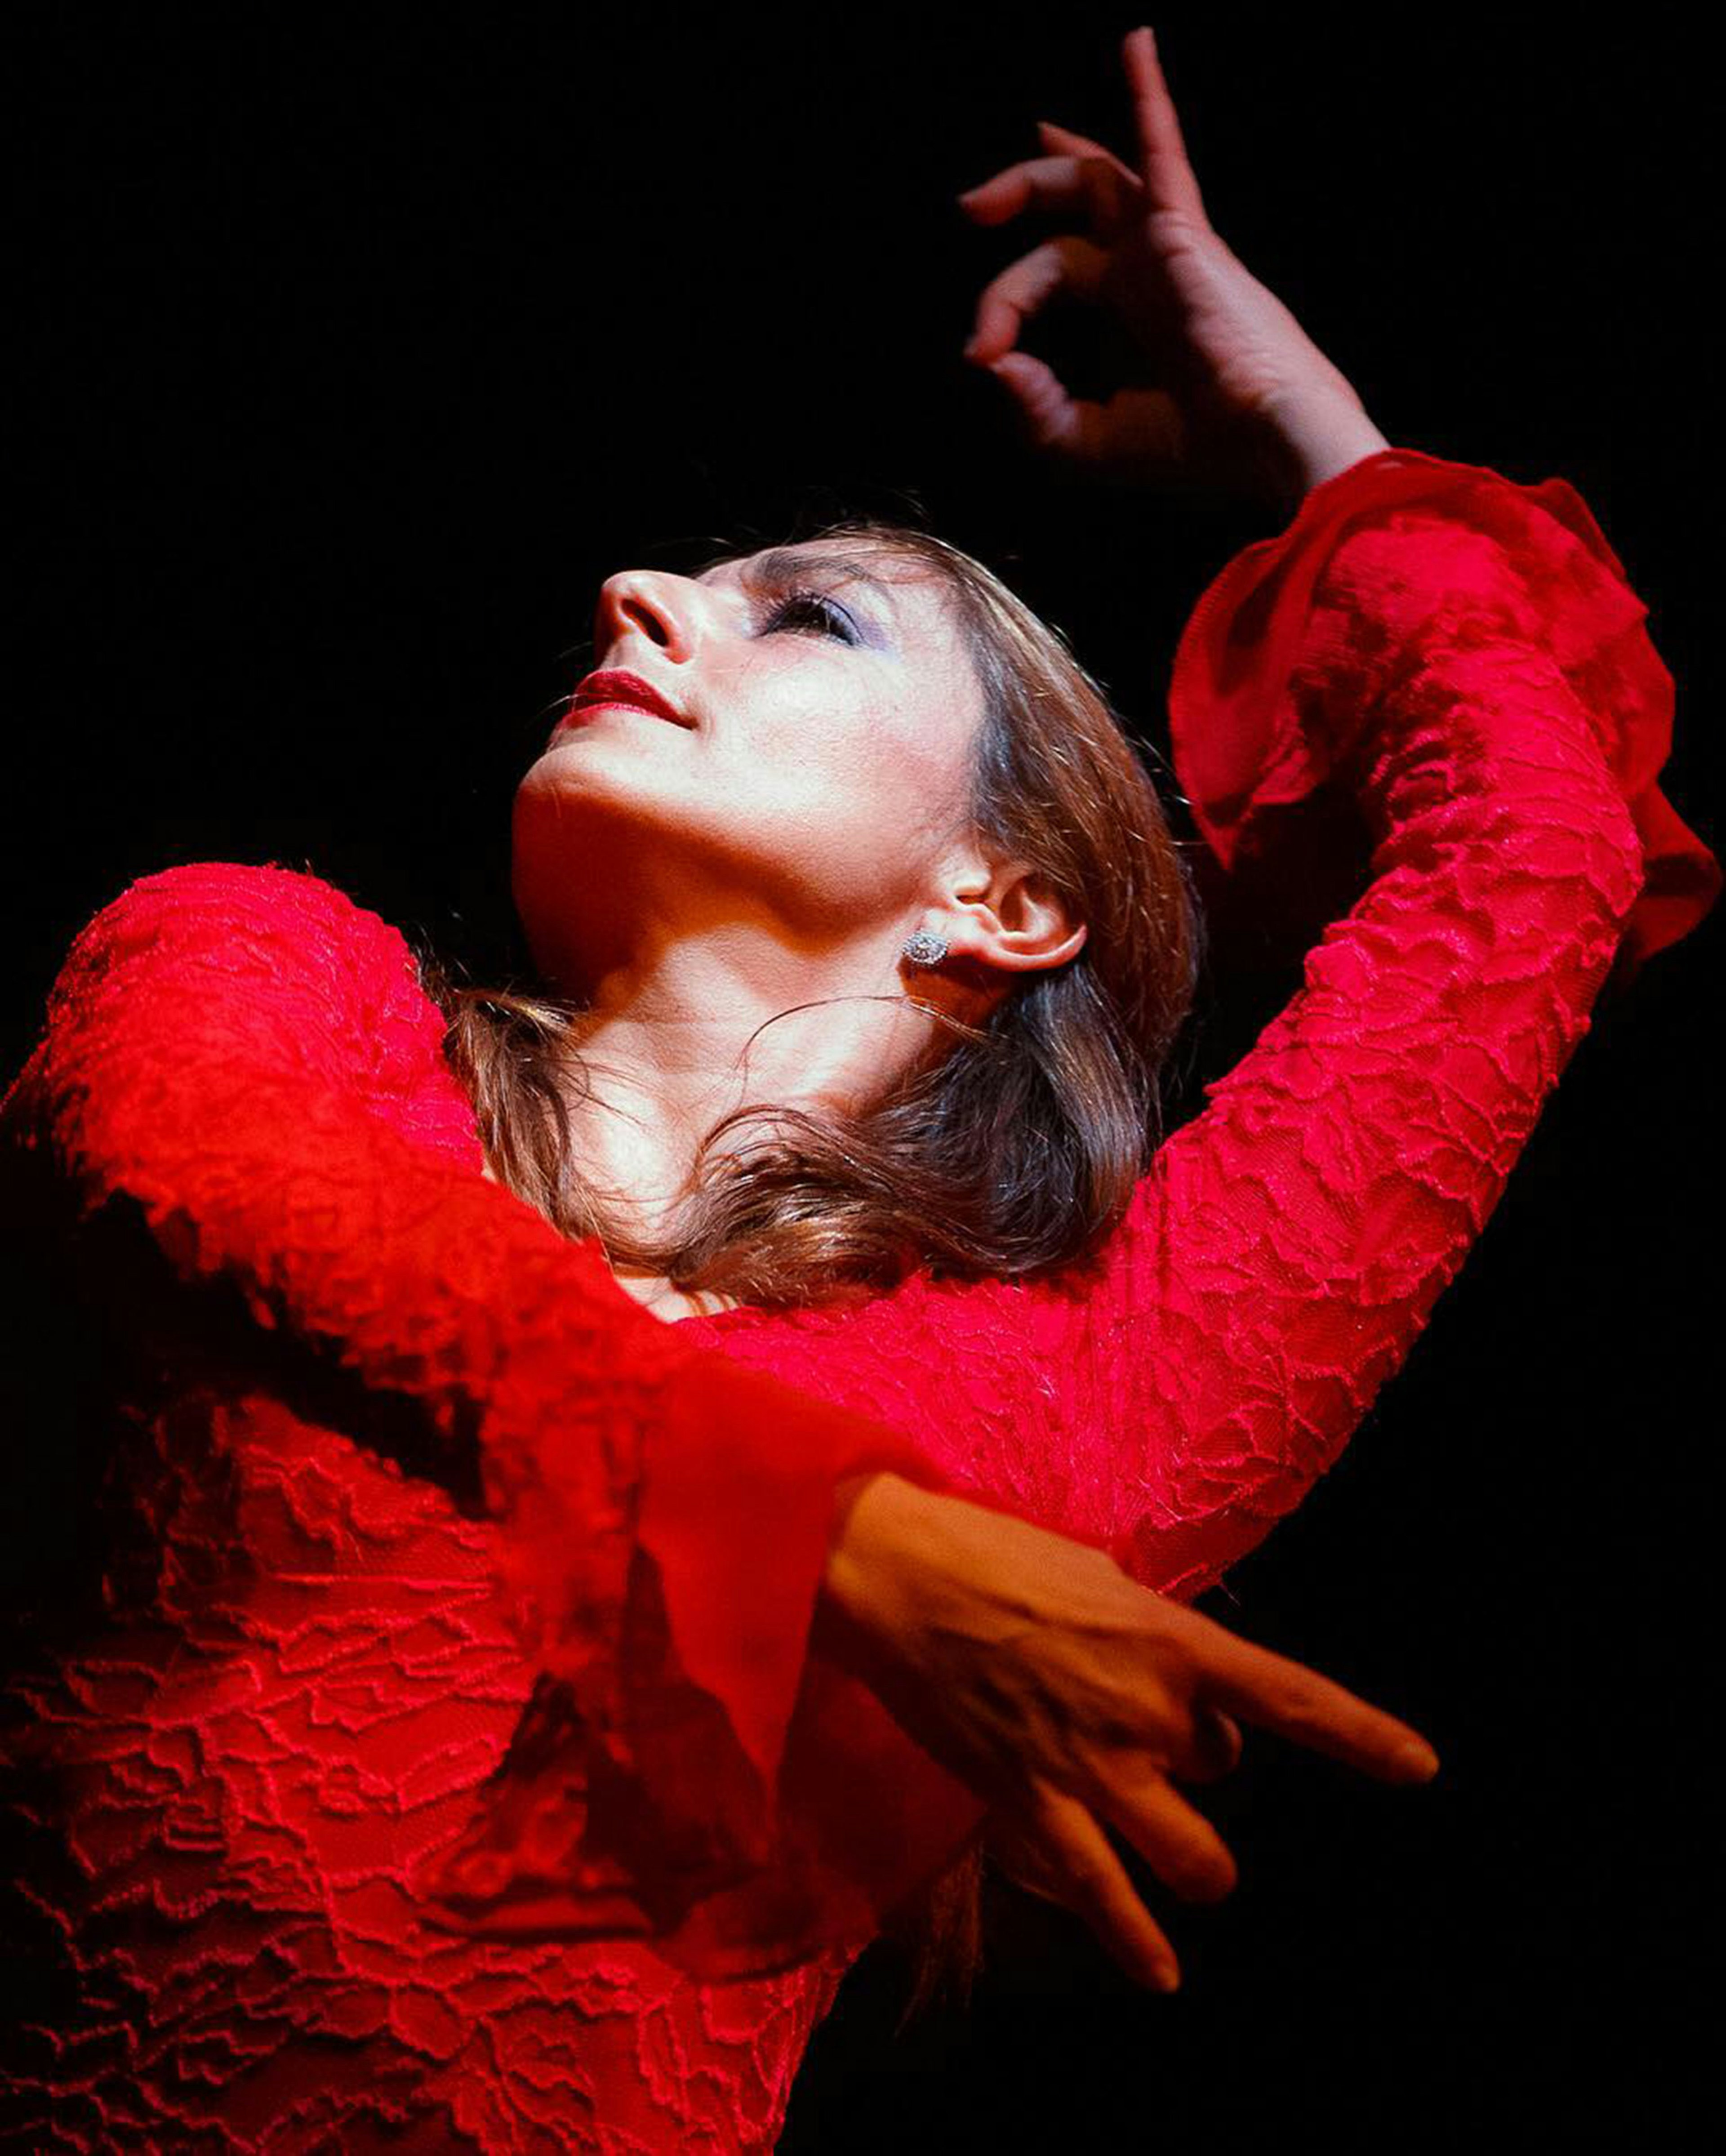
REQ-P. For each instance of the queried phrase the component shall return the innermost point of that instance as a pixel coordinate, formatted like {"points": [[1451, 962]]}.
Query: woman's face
{"points": [[814, 787]]}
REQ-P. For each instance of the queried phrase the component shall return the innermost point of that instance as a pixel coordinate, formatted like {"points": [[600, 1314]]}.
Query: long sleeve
{"points": [[1463, 657], [230, 1053]]}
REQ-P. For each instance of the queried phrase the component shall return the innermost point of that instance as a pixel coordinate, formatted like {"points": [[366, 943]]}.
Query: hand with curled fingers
{"points": [[1234, 395], [1034, 1669]]}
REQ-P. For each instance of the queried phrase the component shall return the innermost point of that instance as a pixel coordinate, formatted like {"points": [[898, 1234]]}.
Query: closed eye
{"points": [[811, 608]]}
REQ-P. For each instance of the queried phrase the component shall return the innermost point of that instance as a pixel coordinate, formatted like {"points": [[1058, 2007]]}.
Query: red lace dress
{"points": [[443, 1764]]}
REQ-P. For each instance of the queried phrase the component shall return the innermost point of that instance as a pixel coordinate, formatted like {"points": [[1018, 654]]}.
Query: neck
{"points": [[674, 1042]]}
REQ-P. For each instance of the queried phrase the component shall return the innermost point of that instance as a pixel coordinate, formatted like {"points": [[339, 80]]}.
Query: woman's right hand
{"points": [[1033, 1668], [1229, 391]]}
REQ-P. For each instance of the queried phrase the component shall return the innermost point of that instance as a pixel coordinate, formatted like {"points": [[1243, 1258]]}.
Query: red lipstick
{"points": [[612, 685]]}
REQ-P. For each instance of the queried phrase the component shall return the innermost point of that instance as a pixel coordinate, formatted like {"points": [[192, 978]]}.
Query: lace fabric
{"points": [[445, 1764]]}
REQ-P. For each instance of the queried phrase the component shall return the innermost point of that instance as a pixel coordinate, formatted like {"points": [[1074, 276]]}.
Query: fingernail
{"points": [[1166, 1977], [1417, 1762]]}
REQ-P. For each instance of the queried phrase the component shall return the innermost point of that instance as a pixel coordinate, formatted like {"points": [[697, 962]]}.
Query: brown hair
{"points": [[1012, 1156]]}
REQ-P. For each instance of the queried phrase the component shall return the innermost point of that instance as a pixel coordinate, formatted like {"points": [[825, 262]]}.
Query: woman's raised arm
{"points": [[1463, 656]]}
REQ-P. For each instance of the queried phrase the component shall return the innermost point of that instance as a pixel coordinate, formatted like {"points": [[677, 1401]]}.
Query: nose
{"points": [[659, 607]]}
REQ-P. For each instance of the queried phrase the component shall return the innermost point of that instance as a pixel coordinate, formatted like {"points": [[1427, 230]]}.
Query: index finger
{"points": [[1044, 183], [1294, 1702], [1169, 180]]}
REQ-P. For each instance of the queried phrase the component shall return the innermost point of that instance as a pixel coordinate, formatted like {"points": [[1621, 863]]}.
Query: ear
{"points": [[1007, 915]]}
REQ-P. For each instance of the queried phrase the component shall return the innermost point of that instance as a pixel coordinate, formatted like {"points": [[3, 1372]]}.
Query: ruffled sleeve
{"points": [[1242, 704], [238, 1102], [1460, 662]]}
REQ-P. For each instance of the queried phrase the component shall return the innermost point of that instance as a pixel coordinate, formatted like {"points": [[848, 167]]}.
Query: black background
{"points": [[360, 346]]}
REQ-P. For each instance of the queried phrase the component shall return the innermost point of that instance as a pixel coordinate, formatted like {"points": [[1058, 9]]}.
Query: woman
{"points": [[531, 1646]]}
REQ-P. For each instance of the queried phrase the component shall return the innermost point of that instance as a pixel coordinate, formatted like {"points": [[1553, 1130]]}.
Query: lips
{"points": [[613, 686]]}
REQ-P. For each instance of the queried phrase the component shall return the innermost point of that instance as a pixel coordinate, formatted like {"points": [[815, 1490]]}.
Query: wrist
{"points": [[873, 1517], [1330, 442], [1313, 441]]}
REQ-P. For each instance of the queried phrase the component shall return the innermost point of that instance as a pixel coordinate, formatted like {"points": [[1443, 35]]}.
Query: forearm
{"points": [[1470, 662], [659, 1515]]}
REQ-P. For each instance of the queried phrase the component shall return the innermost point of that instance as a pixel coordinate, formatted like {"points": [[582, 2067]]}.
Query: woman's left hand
{"points": [[1238, 395]]}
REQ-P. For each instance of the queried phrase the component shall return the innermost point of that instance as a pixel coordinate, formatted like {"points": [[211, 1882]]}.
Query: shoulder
{"points": [[247, 890], [237, 937], [291, 910]]}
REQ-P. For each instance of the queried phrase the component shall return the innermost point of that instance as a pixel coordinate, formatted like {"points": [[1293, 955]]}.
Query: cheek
{"points": [[845, 818], [900, 763], [885, 783]]}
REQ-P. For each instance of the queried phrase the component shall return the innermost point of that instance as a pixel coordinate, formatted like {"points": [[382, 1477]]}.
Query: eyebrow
{"points": [[786, 565]]}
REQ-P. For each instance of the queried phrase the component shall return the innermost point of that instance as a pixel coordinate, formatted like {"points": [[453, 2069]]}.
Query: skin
{"points": [[695, 881], [1057, 1686], [1035, 1668]]}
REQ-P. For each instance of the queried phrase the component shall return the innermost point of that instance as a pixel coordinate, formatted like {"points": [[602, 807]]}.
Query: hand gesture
{"points": [[1234, 394], [1033, 1668]]}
